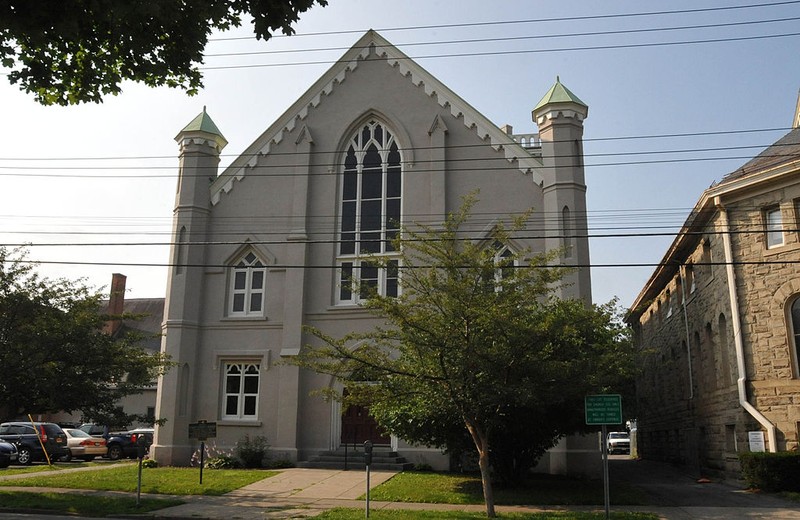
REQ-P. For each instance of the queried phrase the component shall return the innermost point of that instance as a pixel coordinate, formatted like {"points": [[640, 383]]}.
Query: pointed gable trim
{"points": [[373, 42]]}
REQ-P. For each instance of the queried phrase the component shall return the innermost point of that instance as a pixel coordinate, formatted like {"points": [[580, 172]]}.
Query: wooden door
{"points": [[359, 426]]}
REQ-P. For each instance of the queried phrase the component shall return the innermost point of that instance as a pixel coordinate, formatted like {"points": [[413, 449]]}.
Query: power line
{"points": [[522, 51], [514, 38], [401, 267], [418, 148], [535, 20]]}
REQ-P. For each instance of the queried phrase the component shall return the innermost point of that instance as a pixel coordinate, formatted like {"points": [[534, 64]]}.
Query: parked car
{"points": [[26, 436], [123, 444], [95, 430], [8, 454], [83, 446], [619, 442]]}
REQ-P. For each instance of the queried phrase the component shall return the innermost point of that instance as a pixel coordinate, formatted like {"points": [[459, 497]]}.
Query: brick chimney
{"points": [[116, 302]]}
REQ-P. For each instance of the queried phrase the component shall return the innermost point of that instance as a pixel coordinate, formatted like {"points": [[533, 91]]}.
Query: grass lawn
{"points": [[36, 468], [400, 514], [168, 481], [411, 486], [82, 505]]}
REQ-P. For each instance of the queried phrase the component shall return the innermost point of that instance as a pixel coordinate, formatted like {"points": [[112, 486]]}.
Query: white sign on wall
{"points": [[756, 441]]}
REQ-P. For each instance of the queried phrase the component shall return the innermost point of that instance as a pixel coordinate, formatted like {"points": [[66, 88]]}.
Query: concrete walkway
{"points": [[304, 493]]}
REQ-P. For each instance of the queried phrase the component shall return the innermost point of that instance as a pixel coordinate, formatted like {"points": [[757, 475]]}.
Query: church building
{"points": [[272, 243]]}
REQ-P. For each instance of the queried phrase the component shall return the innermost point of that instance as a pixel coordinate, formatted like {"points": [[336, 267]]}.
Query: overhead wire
{"points": [[529, 21]]}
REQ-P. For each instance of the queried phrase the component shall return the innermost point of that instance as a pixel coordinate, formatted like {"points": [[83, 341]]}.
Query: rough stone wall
{"points": [[691, 414], [766, 287]]}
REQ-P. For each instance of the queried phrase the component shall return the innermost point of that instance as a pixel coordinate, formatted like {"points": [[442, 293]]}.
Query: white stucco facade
{"points": [[259, 248]]}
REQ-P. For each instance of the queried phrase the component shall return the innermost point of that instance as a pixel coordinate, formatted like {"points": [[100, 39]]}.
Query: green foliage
{"points": [[253, 451], [149, 463], [69, 51], [163, 480], [341, 513], [478, 351], [54, 355], [223, 462], [772, 471], [83, 505], [540, 489]]}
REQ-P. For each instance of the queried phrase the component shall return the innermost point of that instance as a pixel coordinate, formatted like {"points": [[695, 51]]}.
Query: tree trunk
{"points": [[481, 441]]}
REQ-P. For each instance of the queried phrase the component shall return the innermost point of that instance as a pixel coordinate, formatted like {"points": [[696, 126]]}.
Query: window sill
{"points": [[235, 422], [244, 318], [785, 248]]}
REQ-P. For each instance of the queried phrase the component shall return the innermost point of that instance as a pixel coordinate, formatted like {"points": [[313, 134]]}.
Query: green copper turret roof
{"points": [[202, 123], [558, 93]]}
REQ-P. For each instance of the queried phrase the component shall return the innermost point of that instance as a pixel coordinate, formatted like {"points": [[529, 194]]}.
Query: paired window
{"points": [[773, 226], [242, 381], [370, 214], [247, 286]]}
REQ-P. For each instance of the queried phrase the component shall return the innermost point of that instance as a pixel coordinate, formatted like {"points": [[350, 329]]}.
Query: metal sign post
{"points": [[368, 461], [202, 430], [141, 448], [603, 410]]}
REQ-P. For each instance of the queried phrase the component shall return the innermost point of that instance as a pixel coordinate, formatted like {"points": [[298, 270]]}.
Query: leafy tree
{"points": [[477, 343], [73, 51], [54, 355]]}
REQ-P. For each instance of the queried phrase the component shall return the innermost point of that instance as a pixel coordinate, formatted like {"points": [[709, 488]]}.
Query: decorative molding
{"points": [[368, 44]]}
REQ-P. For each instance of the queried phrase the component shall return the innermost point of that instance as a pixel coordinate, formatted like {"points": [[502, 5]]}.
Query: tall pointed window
{"points": [[370, 214], [247, 286]]}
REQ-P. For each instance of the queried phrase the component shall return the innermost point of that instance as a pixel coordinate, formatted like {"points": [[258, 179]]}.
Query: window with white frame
{"points": [[773, 226], [504, 262], [247, 286], [242, 382], [369, 215]]}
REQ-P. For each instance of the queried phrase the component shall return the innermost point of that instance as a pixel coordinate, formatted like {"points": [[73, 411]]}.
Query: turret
{"points": [[200, 145], [560, 116]]}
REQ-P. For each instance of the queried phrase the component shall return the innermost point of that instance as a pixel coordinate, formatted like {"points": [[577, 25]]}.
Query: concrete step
{"points": [[383, 458]]}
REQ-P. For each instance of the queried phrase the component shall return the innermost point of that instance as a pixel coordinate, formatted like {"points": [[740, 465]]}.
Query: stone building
{"points": [[268, 245], [718, 322]]}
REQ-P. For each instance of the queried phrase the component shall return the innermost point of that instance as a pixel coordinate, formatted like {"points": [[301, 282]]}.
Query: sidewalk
{"points": [[304, 493]]}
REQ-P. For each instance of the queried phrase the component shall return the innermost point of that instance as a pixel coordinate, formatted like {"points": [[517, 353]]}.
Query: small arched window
{"points": [[566, 232]]}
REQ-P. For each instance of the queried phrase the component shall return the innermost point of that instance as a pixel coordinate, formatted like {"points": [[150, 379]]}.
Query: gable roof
{"points": [[372, 42], [784, 150], [149, 313], [779, 159]]}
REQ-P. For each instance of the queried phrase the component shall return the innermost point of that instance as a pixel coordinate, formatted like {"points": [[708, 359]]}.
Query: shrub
{"points": [[212, 451], [772, 471], [223, 462], [422, 467], [278, 464], [149, 463], [253, 452]]}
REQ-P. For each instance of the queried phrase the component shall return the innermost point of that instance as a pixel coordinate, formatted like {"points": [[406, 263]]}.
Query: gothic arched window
{"points": [[370, 214]]}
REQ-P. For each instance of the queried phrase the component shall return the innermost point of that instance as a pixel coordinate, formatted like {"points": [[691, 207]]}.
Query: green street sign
{"points": [[603, 409]]}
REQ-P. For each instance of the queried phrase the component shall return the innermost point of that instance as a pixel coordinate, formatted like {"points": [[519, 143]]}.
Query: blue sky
{"points": [[641, 76]]}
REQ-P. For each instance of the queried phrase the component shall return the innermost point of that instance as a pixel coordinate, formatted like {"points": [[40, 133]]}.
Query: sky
{"points": [[680, 93]]}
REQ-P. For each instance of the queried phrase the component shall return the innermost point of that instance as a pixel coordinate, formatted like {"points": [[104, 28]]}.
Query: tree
{"points": [[54, 355], [477, 343], [72, 51]]}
